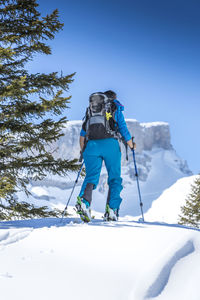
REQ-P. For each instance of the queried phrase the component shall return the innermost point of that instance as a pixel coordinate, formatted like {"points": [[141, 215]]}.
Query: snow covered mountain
{"points": [[158, 164]]}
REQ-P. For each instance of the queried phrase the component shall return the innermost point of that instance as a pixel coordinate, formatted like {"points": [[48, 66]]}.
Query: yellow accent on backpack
{"points": [[108, 116]]}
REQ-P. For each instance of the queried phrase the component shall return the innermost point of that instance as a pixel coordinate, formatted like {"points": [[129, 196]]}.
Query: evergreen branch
{"points": [[26, 101]]}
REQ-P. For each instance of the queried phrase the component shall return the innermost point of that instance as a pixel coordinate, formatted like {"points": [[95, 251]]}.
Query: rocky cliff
{"points": [[158, 166]]}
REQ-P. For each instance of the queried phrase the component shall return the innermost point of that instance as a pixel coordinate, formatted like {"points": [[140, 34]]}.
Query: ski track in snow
{"points": [[162, 279], [13, 236], [6, 275], [10, 237]]}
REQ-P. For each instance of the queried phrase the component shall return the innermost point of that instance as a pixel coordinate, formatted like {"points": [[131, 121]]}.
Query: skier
{"points": [[103, 126]]}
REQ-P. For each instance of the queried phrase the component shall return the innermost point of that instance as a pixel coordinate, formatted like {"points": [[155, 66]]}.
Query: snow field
{"points": [[167, 207], [47, 259]]}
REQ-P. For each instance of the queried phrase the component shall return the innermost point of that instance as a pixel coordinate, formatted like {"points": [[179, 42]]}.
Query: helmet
{"points": [[110, 94]]}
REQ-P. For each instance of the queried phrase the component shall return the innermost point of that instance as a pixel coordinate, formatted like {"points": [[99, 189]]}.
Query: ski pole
{"points": [[138, 186], [79, 172]]}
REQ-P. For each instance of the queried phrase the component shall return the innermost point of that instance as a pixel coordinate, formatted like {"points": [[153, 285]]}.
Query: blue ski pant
{"points": [[107, 150]]}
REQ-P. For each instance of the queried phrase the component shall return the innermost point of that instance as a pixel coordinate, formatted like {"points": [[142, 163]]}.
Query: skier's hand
{"points": [[134, 146], [131, 144]]}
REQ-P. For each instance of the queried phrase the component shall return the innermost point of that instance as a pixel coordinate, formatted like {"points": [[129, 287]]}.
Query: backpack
{"points": [[100, 118]]}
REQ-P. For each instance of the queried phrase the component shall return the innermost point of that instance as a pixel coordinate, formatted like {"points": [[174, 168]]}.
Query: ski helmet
{"points": [[110, 94]]}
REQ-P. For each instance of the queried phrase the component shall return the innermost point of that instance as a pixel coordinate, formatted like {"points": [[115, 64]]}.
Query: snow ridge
{"points": [[162, 279]]}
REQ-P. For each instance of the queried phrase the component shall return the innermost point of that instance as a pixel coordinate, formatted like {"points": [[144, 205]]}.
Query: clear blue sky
{"points": [[146, 51]]}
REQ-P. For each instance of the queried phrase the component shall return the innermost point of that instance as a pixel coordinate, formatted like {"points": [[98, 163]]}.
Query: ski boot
{"points": [[83, 210], [110, 214]]}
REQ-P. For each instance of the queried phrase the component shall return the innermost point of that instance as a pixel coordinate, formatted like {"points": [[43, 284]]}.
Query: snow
{"points": [[125, 260], [39, 191], [164, 169], [167, 207], [151, 124], [158, 166], [132, 120], [48, 259], [74, 123]]}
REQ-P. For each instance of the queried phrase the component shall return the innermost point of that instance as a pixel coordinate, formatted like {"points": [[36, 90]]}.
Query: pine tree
{"points": [[191, 210], [31, 105]]}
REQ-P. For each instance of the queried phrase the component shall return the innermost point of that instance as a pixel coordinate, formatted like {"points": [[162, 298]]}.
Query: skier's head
{"points": [[110, 94]]}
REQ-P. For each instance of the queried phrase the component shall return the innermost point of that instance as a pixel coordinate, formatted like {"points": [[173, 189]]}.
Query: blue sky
{"points": [[147, 51]]}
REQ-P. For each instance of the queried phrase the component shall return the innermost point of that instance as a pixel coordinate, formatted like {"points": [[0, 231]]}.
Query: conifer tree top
{"points": [[29, 102]]}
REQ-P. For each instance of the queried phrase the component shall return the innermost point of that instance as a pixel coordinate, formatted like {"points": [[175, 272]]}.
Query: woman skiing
{"points": [[104, 125]]}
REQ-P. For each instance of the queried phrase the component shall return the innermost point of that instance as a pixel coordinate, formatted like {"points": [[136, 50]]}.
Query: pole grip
{"points": [[132, 138]]}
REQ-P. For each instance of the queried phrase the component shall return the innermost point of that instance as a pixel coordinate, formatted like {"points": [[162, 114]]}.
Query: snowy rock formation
{"points": [[147, 136], [158, 166]]}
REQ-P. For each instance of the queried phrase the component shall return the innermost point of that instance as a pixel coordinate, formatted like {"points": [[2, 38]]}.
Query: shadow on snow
{"points": [[71, 221]]}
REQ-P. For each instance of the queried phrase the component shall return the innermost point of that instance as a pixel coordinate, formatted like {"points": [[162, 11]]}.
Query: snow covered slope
{"points": [[158, 165], [167, 207], [48, 260]]}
